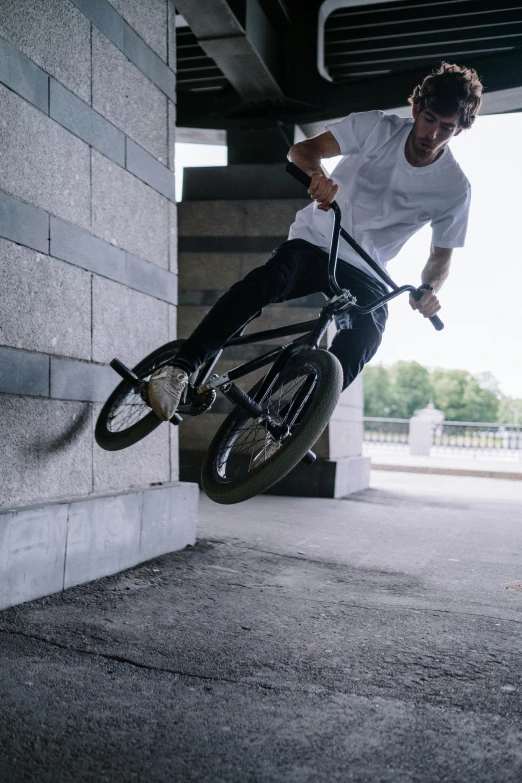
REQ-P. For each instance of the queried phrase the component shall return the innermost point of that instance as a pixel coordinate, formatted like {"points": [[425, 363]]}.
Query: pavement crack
{"points": [[258, 684], [432, 611], [130, 662], [270, 552]]}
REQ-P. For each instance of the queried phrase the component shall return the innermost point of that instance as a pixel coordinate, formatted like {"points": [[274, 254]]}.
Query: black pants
{"points": [[295, 269]]}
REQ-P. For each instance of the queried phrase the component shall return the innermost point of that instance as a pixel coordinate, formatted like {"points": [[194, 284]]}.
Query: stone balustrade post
{"points": [[422, 426], [420, 436]]}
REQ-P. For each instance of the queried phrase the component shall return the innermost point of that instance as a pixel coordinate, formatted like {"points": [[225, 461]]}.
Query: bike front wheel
{"points": [[244, 459]]}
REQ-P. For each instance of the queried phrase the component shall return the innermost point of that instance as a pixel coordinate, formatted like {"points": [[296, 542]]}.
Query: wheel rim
{"points": [[128, 407], [248, 445], [127, 410]]}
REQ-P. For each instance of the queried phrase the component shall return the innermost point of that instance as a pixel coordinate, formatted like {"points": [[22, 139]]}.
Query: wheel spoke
{"points": [[129, 408], [247, 440], [126, 418]]}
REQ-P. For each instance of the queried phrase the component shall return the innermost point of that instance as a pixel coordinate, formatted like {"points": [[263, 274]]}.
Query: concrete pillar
{"points": [[87, 272], [230, 220], [422, 426]]}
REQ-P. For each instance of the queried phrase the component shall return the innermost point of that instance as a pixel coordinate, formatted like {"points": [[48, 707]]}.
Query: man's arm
{"points": [[308, 155], [434, 273]]}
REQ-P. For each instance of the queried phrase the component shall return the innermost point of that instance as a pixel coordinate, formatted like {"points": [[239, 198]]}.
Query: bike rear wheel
{"points": [[243, 459], [126, 418]]}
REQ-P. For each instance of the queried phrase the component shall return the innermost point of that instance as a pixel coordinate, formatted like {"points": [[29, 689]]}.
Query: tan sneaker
{"points": [[270, 448], [165, 390]]}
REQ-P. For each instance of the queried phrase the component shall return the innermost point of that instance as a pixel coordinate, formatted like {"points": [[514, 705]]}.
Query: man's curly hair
{"points": [[448, 90]]}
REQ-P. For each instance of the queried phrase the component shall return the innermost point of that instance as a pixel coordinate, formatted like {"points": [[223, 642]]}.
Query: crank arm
{"points": [[139, 385], [124, 372]]}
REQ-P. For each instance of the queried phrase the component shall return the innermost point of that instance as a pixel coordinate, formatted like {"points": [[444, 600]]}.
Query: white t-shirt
{"points": [[384, 200]]}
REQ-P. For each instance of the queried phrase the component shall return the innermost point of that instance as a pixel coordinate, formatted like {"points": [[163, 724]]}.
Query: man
{"points": [[395, 176]]}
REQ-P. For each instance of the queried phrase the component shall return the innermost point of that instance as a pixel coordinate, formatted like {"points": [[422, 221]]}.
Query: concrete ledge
{"points": [[46, 549], [243, 181], [323, 479], [453, 471]]}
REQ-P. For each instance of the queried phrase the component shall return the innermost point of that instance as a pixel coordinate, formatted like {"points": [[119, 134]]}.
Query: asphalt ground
{"points": [[375, 638]]}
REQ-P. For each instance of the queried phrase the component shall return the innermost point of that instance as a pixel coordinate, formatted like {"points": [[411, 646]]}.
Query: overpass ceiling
{"points": [[250, 62]]}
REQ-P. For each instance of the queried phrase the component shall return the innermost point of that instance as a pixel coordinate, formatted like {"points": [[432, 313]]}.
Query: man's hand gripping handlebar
{"points": [[416, 293]]}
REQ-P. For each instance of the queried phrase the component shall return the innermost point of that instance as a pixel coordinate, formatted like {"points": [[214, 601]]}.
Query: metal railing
{"points": [[478, 437], [503, 441], [386, 432]]}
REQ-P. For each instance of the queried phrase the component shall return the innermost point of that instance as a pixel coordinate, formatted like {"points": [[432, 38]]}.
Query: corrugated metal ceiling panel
{"points": [[377, 39]]}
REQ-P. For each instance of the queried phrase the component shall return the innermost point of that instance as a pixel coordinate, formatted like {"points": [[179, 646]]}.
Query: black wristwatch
{"points": [[426, 287]]}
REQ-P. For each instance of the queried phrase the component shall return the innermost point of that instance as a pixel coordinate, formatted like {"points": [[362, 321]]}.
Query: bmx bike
{"points": [[272, 427]]}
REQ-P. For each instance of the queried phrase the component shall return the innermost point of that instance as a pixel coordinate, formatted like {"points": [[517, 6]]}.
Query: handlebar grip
{"points": [[302, 177], [298, 174], [435, 320]]}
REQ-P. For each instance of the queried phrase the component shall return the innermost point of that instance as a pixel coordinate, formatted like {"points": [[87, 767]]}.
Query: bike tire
{"points": [[312, 420], [114, 440]]}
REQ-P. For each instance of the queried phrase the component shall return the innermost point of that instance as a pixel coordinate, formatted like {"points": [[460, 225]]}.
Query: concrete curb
{"points": [[48, 548], [495, 474]]}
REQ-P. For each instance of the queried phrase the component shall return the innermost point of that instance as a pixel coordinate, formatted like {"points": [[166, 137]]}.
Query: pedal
{"points": [[124, 372], [309, 458], [176, 419]]}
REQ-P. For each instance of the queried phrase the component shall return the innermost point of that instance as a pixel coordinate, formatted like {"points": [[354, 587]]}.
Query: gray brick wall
{"points": [[149, 20], [55, 35], [88, 240], [128, 213], [42, 163], [122, 94]]}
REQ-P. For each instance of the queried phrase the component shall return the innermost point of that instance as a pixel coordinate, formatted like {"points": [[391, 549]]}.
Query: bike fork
{"points": [[255, 411]]}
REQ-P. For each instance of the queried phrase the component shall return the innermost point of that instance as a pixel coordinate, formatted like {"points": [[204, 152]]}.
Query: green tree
{"points": [[459, 395], [411, 389], [396, 392], [377, 391], [488, 381], [405, 387], [510, 411]]}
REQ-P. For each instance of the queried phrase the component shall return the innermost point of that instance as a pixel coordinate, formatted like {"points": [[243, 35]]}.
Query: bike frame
{"points": [[312, 331], [202, 383]]}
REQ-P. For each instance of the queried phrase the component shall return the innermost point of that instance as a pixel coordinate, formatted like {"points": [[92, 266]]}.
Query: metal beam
{"points": [[502, 72], [501, 76], [244, 46]]}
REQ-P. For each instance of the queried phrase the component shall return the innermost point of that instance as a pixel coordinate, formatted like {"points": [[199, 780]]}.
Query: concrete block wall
{"points": [[88, 244]]}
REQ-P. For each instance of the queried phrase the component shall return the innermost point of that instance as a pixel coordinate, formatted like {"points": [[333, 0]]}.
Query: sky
{"points": [[480, 301]]}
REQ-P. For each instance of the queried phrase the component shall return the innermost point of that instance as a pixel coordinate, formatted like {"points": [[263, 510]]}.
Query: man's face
{"points": [[431, 132]]}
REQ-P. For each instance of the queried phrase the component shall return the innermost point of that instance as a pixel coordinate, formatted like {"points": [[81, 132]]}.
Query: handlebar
{"points": [[338, 230]]}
